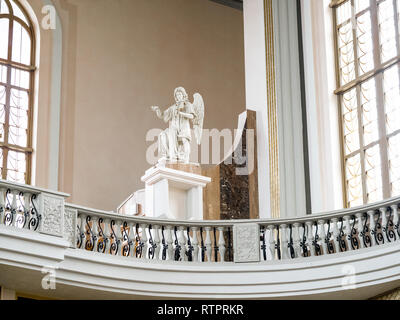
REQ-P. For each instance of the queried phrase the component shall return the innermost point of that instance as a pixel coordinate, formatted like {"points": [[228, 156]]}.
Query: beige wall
{"points": [[119, 58]]}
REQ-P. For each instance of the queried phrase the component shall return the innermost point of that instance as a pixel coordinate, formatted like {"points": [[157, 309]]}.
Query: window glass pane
{"points": [[2, 111], [391, 89], [16, 166], [3, 74], [4, 7], [387, 30], [21, 48], [394, 164], [361, 5], [369, 112], [18, 121], [373, 174], [346, 53], [353, 181], [4, 29], [364, 43], [1, 163], [20, 78], [343, 12], [350, 122], [17, 12]]}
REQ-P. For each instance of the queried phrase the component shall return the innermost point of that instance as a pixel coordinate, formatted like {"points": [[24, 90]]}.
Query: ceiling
{"points": [[237, 4]]}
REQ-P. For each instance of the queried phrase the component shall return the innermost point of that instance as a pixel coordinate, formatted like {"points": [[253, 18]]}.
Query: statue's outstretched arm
{"points": [[187, 115], [158, 112]]}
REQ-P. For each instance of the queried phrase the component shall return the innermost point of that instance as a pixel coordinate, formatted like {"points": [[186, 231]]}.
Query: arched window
{"points": [[17, 66], [368, 69]]}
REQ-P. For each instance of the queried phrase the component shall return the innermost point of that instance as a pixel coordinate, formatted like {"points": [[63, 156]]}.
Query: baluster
{"points": [[378, 231], [336, 235], [285, 254], [144, 240], [157, 245], [107, 236], [35, 215], [83, 230], [366, 232], [20, 212], [117, 237], [114, 245], [396, 218], [230, 245], [182, 244], [310, 238], [208, 244], [263, 247], [372, 227], [95, 232], [271, 241], [296, 240], [221, 243], [328, 239], [291, 250], [389, 224], [216, 248], [131, 232], [151, 243], [195, 244], [138, 243], [2, 204], [27, 209], [361, 231], [385, 224], [303, 241], [14, 205], [170, 242], [11, 208], [348, 233], [322, 236], [189, 251], [316, 242]]}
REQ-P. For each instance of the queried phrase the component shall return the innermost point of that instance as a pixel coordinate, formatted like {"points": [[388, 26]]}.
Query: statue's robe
{"points": [[179, 130]]}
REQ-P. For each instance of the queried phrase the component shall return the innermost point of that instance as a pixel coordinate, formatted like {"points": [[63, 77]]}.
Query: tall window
{"points": [[368, 64], [17, 52]]}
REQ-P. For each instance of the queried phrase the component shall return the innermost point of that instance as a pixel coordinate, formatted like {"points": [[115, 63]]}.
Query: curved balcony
{"points": [[93, 254]]}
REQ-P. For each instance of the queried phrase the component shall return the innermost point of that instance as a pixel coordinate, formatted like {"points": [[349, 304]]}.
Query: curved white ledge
{"points": [[87, 275]]}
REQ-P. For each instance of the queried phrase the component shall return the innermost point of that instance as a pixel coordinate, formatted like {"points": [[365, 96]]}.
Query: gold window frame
{"points": [[6, 146], [377, 73]]}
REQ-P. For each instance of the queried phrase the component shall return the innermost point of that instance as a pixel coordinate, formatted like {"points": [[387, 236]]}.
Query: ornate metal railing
{"points": [[19, 206], [345, 230], [214, 241], [153, 239], [45, 212]]}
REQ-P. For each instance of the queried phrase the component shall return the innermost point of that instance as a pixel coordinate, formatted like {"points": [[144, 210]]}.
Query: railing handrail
{"points": [[314, 217], [30, 189]]}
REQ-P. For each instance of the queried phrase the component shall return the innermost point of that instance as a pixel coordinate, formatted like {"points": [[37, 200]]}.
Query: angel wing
{"points": [[198, 106]]}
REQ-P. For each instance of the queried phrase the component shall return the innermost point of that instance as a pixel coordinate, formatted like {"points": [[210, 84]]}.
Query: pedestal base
{"points": [[174, 194]]}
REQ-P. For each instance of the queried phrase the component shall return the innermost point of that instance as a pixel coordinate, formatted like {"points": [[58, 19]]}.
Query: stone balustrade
{"points": [[239, 241]]}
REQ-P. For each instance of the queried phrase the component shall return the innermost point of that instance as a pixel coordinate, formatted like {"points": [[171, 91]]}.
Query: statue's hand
{"points": [[155, 108]]}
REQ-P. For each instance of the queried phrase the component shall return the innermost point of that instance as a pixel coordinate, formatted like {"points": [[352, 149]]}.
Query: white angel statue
{"points": [[174, 142]]}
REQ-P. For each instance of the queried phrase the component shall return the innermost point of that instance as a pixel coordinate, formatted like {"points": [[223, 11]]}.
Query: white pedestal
{"points": [[174, 194]]}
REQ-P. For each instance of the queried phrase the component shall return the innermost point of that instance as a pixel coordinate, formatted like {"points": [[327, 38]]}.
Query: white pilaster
{"points": [[256, 92]]}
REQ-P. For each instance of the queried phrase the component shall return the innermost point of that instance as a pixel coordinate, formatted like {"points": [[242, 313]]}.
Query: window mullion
{"points": [[380, 101], [8, 99], [358, 94], [340, 112]]}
